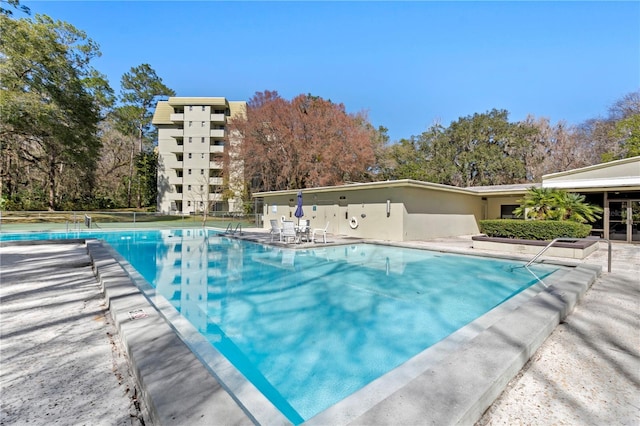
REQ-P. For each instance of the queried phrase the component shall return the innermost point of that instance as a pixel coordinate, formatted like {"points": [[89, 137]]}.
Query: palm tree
{"points": [[571, 206], [538, 204], [556, 204]]}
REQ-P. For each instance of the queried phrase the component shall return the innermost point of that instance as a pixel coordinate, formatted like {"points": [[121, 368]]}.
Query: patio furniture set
{"points": [[290, 232]]}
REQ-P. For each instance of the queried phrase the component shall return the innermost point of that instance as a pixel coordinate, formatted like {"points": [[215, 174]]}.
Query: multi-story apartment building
{"points": [[192, 142]]}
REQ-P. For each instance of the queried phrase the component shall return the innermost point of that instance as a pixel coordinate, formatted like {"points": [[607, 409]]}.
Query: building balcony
{"points": [[216, 165], [216, 181], [217, 133], [176, 117], [175, 133], [170, 146], [217, 118], [216, 148], [172, 163]]}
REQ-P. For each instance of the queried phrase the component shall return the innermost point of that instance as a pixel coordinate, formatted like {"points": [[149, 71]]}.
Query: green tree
{"points": [[482, 149], [483, 143], [409, 160], [51, 103], [15, 4], [142, 88], [556, 204], [538, 204], [147, 170], [572, 206], [616, 136], [626, 129]]}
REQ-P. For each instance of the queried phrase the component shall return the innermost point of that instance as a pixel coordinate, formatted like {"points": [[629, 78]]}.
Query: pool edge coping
{"points": [[196, 396], [460, 390]]}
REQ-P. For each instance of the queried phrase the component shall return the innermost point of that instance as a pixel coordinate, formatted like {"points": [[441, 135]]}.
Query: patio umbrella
{"points": [[299, 213]]}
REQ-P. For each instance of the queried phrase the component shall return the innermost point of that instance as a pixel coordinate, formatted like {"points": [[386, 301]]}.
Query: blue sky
{"points": [[408, 64]]}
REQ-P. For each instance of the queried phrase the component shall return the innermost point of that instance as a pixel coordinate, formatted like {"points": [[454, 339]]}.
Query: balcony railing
{"points": [[216, 148], [170, 146], [172, 164], [176, 117], [217, 133], [217, 118], [173, 132]]}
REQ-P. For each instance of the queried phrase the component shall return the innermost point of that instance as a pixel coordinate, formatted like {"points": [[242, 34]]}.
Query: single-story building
{"points": [[406, 210]]}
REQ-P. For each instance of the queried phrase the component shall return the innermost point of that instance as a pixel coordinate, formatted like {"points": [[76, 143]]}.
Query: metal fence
{"points": [[75, 220]]}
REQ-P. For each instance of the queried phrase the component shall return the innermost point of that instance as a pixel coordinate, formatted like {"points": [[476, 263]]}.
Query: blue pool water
{"points": [[310, 327]]}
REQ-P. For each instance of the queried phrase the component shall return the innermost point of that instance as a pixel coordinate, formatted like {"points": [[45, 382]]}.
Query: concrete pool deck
{"points": [[586, 372]]}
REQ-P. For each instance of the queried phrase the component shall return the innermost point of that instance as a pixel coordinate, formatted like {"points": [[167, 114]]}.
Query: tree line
{"points": [[310, 142], [67, 141]]}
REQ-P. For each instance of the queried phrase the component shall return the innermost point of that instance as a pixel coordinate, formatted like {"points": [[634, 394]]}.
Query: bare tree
{"points": [[305, 142], [113, 165]]}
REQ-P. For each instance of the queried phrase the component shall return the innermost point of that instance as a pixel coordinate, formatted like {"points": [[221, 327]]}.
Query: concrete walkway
{"points": [[588, 371], [60, 363]]}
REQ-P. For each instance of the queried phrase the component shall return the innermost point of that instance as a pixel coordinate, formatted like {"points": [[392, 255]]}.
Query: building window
{"points": [[202, 156], [190, 123], [506, 211], [202, 125], [189, 155], [202, 140], [188, 203], [201, 187], [203, 107], [189, 172], [201, 171], [190, 108], [188, 187], [190, 139]]}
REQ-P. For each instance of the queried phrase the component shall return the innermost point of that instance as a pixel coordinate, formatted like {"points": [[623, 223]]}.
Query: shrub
{"points": [[533, 229]]}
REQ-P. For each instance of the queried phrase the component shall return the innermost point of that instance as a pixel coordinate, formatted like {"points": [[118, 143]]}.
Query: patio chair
{"points": [[275, 229], [320, 231], [289, 232], [304, 230]]}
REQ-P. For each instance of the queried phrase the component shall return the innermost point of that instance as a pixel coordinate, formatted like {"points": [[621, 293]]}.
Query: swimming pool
{"points": [[310, 327]]}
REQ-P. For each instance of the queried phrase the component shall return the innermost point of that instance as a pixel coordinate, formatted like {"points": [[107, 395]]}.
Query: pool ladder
{"points": [[231, 231]]}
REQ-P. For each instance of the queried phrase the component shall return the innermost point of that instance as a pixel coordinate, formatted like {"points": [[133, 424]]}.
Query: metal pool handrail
{"points": [[231, 231], [567, 239]]}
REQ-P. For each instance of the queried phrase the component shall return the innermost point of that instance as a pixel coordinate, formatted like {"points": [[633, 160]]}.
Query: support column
{"points": [[605, 216]]}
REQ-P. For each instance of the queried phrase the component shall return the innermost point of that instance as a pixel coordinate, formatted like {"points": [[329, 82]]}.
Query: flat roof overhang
{"points": [[184, 101], [404, 183], [631, 183]]}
